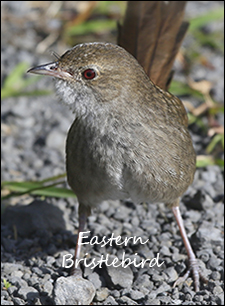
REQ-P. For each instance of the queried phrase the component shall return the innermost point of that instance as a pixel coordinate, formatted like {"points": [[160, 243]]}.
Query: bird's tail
{"points": [[152, 32]]}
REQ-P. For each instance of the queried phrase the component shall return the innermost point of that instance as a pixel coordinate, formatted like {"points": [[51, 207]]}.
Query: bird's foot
{"points": [[75, 271], [196, 274]]}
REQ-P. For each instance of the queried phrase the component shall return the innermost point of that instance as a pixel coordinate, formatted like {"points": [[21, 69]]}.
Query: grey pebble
{"points": [[50, 261], [165, 251], [152, 295], [18, 301], [221, 298], [94, 278], [6, 302], [28, 293], [56, 140], [143, 281], [198, 298], [37, 271], [4, 293], [33, 280], [17, 281], [73, 290], [101, 294], [121, 213], [125, 300], [163, 288], [136, 295], [48, 287], [153, 302], [115, 293], [172, 273], [215, 275], [12, 290], [207, 232], [214, 263], [217, 290], [11, 267], [164, 300], [158, 277], [122, 277], [110, 301]]}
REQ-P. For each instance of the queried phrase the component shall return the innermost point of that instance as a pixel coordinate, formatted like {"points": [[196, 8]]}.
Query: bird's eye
{"points": [[89, 74]]}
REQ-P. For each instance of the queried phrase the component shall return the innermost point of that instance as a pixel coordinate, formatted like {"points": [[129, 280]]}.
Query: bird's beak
{"points": [[51, 69]]}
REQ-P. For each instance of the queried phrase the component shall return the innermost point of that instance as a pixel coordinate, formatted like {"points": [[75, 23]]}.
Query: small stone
{"points": [[157, 278], [122, 277], [56, 140], [208, 232], [215, 275], [213, 263], [110, 301], [143, 281], [163, 288], [217, 290], [11, 290], [28, 293], [48, 287], [165, 251], [153, 302], [11, 267], [95, 280], [221, 298], [73, 290], [5, 294], [101, 294], [136, 295], [172, 273], [126, 300], [18, 301], [17, 281], [5, 302]]}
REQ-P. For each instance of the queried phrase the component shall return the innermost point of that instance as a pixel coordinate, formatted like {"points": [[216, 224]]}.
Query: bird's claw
{"points": [[196, 274]]}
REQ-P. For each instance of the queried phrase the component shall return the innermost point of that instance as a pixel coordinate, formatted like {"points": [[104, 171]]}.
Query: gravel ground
{"points": [[37, 232]]}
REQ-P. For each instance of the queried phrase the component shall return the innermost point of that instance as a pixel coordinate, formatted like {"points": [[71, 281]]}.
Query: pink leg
{"points": [[193, 265], [83, 214]]}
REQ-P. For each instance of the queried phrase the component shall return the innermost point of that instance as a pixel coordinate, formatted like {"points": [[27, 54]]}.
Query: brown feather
{"points": [[153, 31]]}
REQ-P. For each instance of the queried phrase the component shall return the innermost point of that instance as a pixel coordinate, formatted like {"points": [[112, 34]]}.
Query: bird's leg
{"points": [[193, 265], [83, 213]]}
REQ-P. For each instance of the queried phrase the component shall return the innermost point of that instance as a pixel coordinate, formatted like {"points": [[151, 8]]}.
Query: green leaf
{"points": [[200, 21], [53, 178], [6, 284], [219, 162], [92, 26], [6, 93], [15, 83], [204, 161], [14, 79], [178, 88], [218, 138], [36, 188]]}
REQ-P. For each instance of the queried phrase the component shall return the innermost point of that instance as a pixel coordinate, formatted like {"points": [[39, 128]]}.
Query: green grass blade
{"points": [[36, 188], [219, 138], [181, 89], [92, 26], [200, 21], [14, 79]]}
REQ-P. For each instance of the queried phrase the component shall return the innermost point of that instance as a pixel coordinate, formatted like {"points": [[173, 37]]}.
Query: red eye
{"points": [[89, 74]]}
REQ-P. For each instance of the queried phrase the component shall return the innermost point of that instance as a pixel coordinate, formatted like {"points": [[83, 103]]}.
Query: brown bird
{"points": [[129, 138]]}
